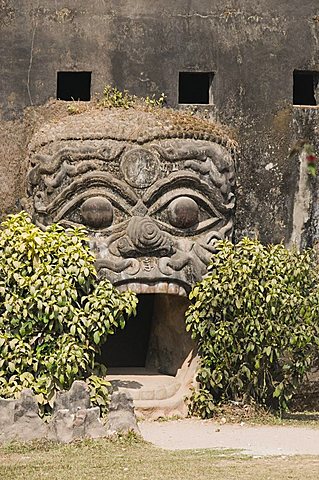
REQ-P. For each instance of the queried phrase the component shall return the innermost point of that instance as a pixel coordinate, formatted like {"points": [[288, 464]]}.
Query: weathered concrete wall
{"points": [[253, 48]]}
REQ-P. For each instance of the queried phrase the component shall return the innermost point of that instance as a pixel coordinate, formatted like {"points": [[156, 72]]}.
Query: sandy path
{"points": [[253, 440]]}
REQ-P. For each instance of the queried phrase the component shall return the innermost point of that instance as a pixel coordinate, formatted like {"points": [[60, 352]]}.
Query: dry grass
{"points": [[136, 460], [254, 415]]}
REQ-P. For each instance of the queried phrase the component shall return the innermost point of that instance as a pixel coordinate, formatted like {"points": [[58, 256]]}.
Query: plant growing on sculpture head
{"points": [[74, 108], [255, 319], [54, 314], [114, 98], [153, 101]]}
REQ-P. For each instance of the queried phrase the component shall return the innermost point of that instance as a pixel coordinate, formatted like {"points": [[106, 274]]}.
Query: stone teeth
{"points": [[173, 289], [122, 288], [142, 288], [136, 287], [160, 287], [182, 292]]}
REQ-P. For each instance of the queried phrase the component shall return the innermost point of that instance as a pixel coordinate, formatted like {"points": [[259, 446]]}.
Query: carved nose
{"points": [[143, 231], [146, 236]]}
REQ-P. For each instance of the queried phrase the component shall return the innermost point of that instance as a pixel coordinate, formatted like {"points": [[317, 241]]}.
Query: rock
{"points": [[73, 418], [19, 419], [121, 416], [66, 426], [26, 406], [6, 412], [78, 397], [94, 427]]}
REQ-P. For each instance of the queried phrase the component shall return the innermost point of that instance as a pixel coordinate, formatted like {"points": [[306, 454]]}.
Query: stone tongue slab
{"points": [[154, 395], [143, 384]]}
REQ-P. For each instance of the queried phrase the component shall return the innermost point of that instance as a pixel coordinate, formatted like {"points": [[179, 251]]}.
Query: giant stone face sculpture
{"points": [[153, 188]]}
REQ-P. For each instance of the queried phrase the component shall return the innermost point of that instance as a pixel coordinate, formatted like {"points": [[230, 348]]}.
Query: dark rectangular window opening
{"points": [[74, 86], [195, 87], [305, 85]]}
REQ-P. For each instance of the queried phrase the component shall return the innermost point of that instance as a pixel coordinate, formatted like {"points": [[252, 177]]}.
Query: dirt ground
{"points": [[259, 440]]}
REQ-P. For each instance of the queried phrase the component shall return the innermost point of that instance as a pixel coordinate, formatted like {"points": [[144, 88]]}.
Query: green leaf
{"points": [[268, 351], [11, 367], [96, 337], [238, 303], [278, 390]]}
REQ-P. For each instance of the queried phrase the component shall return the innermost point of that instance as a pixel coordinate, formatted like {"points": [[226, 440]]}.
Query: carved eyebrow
{"points": [[182, 178], [70, 171], [50, 164], [217, 153], [88, 182]]}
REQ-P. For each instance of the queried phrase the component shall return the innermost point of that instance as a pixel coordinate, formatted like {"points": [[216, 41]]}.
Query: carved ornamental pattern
{"points": [[153, 196]]}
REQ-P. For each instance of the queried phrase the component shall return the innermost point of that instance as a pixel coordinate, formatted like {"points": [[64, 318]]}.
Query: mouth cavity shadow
{"points": [[155, 340]]}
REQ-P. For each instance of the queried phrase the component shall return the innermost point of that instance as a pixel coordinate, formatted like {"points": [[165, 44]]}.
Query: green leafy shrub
{"points": [[54, 314], [255, 319]]}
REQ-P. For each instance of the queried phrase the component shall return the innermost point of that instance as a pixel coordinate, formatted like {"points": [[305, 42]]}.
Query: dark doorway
{"points": [[74, 86], [194, 87], [305, 84], [129, 347]]}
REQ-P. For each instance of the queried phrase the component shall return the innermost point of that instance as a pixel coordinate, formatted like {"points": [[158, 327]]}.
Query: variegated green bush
{"points": [[255, 317], [54, 314]]}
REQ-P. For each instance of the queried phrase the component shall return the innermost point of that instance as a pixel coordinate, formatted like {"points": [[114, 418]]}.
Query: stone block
{"points": [[19, 419], [66, 426], [121, 416], [78, 397], [72, 419]]}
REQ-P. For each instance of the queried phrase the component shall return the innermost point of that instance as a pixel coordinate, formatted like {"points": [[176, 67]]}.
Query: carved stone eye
{"points": [[183, 212], [97, 212]]}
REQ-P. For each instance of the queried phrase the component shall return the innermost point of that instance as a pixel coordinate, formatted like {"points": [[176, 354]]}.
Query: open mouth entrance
{"points": [[155, 339], [129, 347], [153, 357]]}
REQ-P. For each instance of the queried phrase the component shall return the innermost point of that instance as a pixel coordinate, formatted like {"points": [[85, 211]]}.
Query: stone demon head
{"points": [[153, 189]]}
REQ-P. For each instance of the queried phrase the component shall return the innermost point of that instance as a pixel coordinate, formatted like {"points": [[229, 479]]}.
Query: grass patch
{"points": [[134, 459]]}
